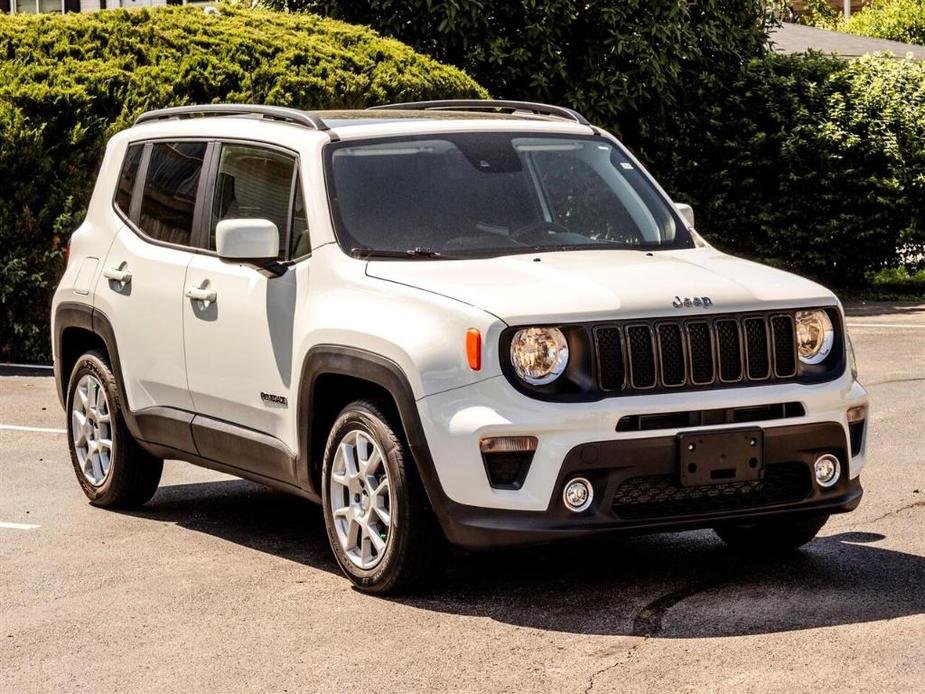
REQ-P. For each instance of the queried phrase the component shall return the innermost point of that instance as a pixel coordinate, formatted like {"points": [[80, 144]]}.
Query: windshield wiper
{"points": [[418, 252]]}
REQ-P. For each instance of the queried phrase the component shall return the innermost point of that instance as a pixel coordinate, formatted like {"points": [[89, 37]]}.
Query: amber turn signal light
{"points": [[474, 348]]}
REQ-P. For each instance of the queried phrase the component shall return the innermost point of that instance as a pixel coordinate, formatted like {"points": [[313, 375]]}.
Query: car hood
{"points": [[599, 285]]}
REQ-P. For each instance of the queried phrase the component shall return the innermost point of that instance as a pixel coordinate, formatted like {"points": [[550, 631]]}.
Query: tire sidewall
{"points": [[91, 363], [358, 418]]}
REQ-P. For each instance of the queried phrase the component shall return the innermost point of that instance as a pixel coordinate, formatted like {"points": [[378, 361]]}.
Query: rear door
{"points": [[239, 346], [141, 288]]}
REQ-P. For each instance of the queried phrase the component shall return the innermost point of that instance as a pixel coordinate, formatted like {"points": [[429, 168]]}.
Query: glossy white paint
{"points": [[246, 238], [207, 335]]}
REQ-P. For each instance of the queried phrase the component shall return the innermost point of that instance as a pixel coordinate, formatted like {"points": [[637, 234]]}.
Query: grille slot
{"points": [[785, 357], [641, 356], [611, 369], [757, 351], [660, 496], [700, 343], [729, 347], [671, 354], [695, 353]]}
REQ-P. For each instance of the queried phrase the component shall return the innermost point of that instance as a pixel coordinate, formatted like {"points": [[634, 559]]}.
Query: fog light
{"points": [[827, 470], [578, 494]]}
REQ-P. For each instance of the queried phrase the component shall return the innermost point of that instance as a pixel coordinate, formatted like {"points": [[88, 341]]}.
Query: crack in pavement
{"points": [[894, 380], [648, 620], [623, 658], [895, 511]]}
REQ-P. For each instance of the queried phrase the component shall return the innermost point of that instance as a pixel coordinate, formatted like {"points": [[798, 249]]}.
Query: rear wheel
{"points": [[112, 469], [380, 529], [771, 536]]}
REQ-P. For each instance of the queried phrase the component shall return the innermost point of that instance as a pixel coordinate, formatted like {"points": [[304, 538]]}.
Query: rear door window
{"points": [[168, 201]]}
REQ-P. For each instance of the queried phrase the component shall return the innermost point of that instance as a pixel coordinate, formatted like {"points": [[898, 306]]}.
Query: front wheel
{"points": [[379, 527], [771, 536]]}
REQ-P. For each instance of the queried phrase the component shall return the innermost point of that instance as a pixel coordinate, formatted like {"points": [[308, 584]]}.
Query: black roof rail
{"points": [[486, 104], [280, 113]]}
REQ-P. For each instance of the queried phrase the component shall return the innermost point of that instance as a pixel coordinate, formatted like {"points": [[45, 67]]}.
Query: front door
{"points": [[239, 344]]}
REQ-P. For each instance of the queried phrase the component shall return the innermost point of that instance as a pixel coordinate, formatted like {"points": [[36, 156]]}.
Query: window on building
{"points": [[171, 184]]}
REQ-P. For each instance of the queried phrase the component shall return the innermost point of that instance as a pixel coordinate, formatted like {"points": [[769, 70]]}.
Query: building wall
{"points": [[839, 5]]}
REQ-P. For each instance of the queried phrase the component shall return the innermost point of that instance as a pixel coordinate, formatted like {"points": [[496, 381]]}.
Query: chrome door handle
{"points": [[116, 275], [203, 294]]}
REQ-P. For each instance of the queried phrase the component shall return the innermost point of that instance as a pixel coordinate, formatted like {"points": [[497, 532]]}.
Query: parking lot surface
{"points": [[221, 585]]}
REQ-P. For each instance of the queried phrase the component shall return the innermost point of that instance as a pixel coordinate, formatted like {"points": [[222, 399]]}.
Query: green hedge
{"points": [[898, 20], [68, 82], [636, 66], [812, 163], [807, 162]]}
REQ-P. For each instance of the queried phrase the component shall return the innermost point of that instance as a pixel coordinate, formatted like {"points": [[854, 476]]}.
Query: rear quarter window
{"points": [[126, 185]]}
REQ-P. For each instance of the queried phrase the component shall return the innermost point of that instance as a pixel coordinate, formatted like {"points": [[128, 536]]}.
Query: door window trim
{"points": [[132, 219], [210, 163]]}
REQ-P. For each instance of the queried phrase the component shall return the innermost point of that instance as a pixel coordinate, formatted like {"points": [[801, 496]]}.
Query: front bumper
{"points": [[583, 438], [636, 490]]}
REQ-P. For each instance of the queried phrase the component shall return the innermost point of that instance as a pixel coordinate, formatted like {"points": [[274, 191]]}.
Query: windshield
{"points": [[471, 194]]}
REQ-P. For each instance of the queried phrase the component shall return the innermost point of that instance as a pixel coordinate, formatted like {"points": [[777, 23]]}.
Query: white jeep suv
{"points": [[474, 321]]}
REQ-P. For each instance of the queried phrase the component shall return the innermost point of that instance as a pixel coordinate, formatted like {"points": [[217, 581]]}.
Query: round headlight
{"points": [[815, 336], [539, 355]]}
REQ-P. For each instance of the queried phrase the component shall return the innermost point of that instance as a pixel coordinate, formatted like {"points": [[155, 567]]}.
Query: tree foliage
{"points": [[68, 82]]}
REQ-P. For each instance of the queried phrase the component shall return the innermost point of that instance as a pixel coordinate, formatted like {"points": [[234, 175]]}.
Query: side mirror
{"points": [[252, 241], [686, 211]]}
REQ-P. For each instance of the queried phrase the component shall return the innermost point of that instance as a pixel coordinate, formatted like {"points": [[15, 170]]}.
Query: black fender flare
{"points": [[359, 363], [86, 317]]}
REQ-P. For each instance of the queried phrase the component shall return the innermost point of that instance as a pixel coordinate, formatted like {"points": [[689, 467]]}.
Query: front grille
{"points": [[660, 496], [695, 353]]}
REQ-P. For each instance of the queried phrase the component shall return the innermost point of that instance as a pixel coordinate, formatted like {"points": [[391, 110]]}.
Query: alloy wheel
{"points": [[360, 499], [91, 422]]}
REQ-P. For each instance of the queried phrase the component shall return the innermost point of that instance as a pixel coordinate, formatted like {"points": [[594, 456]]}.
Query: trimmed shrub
{"points": [[898, 20], [636, 66], [68, 82], [813, 164]]}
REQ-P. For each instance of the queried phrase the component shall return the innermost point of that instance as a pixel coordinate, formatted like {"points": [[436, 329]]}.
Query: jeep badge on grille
{"points": [[692, 302]]}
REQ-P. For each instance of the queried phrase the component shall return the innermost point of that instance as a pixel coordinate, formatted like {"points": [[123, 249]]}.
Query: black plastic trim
{"points": [[606, 464], [359, 363]]}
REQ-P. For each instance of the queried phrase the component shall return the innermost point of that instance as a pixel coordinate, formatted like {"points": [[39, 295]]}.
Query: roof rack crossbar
{"points": [[486, 104], [280, 113]]}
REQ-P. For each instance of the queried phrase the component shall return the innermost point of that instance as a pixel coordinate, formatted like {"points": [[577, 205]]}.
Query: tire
{"points": [[771, 536], [132, 474], [377, 556]]}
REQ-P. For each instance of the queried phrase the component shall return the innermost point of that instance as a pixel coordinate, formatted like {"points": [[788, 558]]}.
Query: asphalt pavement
{"points": [[220, 585]]}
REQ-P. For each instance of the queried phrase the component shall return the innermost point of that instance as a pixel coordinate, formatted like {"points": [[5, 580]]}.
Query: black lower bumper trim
{"points": [[613, 467]]}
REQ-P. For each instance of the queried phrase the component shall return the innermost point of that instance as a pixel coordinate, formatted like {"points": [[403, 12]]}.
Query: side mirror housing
{"points": [[686, 211], [251, 241]]}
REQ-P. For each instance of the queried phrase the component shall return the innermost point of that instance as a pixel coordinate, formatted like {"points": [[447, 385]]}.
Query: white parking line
{"points": [[913, 326], [43, 430], [18, 526]]}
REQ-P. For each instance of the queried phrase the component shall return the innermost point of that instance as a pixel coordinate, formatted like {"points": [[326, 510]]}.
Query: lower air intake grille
{"points": [[660, 496]]}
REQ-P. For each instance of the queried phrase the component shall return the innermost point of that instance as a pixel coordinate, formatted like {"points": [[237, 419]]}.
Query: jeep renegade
{"points": [[474, 321]]}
